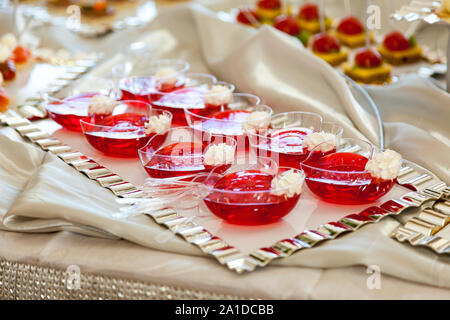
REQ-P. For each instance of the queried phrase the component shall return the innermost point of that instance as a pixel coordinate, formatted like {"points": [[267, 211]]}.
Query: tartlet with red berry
{"points": [[308, 18], [328, 48], [288, 24], [351, 32], [397, 49], [268, 10], [368, 67]]}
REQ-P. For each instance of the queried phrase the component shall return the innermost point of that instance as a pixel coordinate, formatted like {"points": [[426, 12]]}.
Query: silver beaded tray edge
{"points": [[428, 190], [32, 109]]}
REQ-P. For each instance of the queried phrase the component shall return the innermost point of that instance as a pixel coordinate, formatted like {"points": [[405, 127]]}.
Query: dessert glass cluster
{"points": [[246, 164]]}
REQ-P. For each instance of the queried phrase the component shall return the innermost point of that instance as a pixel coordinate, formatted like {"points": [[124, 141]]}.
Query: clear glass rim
{"points": [[190, 114], [144, 150], [230, 86], [148, 105]]}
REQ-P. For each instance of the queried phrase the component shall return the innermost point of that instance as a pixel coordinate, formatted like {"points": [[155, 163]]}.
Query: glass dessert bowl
{"points": [[354, 174], [237, 118], [201, 92], [184, 154], [292, 136], [70, 110], [252, 194], [129, 126], [163, 75]]}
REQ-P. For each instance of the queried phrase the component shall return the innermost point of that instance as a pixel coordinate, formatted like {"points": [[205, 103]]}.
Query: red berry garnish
{"points": [[269, 4], [21, 54], [287, 24], [8, 70], [350, 25], [244, 16], [325, 43], [368, 58], [396, 41], [309, 11]]}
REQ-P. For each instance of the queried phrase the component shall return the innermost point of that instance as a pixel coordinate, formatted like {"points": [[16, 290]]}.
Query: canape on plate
{"points": [[397, 49], [328, 48], [368, 67], [351, 32], [308, 18]]}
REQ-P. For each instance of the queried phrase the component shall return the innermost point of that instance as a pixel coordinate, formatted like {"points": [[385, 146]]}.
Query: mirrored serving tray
{"points": [[239, 248]]}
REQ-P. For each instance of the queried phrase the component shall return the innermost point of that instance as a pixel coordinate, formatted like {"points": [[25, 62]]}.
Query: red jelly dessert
{"points": [[163, 76], [69, 111], [350, 25], [179, 100], [368, 58], [245, 198], [179, 159], [122, 134], [285, 146], [341, 178], [247, 16], [201, 99], [146, 89], [8, 70]]}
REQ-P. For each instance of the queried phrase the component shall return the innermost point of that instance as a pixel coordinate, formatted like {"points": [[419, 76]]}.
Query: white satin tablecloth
{"points": [[42, 194]]}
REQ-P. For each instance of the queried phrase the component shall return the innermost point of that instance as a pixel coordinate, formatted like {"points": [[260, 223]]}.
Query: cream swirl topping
{"points": [[385, 165], [289, 183], [218, 154]]}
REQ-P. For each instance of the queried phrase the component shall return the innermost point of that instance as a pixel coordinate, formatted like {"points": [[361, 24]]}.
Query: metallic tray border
{"points": [[421, 230], [427, 189]]}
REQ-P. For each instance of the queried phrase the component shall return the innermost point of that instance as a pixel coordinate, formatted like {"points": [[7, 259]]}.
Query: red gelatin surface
{"points": [[345, 183], [179, 159], [146, 89], [69, 114], [249, 207], [121, 135], [185, 98], [232, 127], [285, 146]]}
